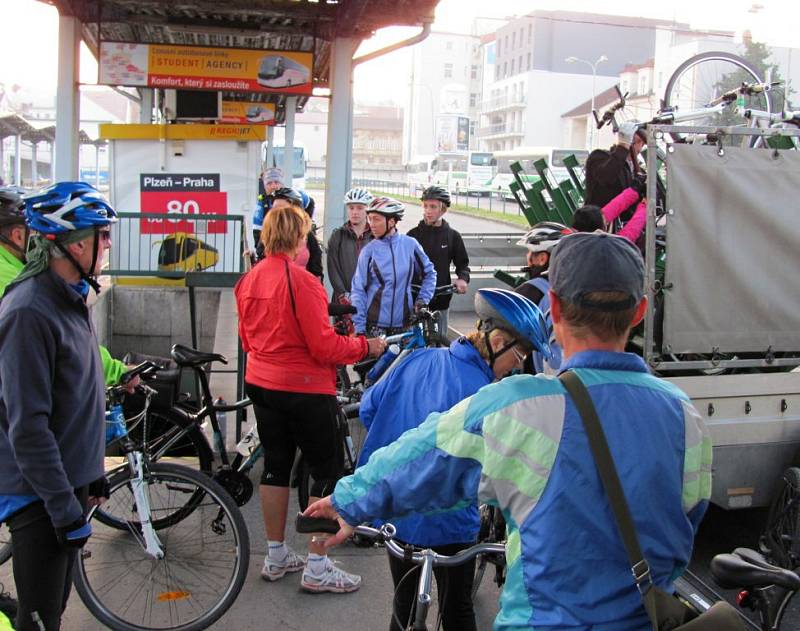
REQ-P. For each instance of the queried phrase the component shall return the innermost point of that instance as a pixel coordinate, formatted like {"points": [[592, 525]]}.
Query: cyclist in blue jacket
{"points": [[511, 326], [381, 288]]}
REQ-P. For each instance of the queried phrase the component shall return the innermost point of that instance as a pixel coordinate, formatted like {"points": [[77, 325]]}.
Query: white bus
{"points": [[554, 156], [299, 163], [468, 173]]}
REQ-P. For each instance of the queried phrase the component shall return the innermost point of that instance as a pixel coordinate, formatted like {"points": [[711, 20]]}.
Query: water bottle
{"points": [[249, 442], [222, 421], [115, 423]]}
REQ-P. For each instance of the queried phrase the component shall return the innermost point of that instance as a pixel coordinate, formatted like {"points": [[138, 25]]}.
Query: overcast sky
{"points": [[28, 48]]}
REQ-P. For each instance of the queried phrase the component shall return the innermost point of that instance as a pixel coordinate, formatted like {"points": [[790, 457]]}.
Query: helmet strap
{"points": [[89, 277], [489, 349]]}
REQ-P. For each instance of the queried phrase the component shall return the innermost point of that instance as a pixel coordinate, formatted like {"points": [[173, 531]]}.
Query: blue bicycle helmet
{"points": [[67, 206], [513, 312]]}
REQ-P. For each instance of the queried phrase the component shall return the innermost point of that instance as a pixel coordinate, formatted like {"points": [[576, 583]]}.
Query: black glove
{"points": [[75, 535], [419, 306], [100, 488], [639, 184]]}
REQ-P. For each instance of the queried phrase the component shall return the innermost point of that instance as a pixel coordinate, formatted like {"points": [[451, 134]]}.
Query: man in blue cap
{"points": [[521, 445]]}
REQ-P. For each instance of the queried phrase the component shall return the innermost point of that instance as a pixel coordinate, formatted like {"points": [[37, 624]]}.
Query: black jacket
{"points": [[443, 245], [343, 250], [607, 175], [52, 397]]}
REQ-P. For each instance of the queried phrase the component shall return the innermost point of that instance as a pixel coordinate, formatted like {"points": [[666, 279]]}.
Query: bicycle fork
{"points": [[145, 533]]}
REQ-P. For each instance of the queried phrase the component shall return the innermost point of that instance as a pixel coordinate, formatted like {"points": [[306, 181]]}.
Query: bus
{"points": [[469, 173], [526, 156], [300, 162]]}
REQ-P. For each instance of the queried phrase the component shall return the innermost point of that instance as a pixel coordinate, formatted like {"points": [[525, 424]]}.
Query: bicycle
{"points": [[763, 588], [427, 559], [492, 530], [174, 564]]}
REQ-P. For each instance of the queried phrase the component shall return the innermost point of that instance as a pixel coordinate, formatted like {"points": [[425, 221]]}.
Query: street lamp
{"points": [[593, 66]]}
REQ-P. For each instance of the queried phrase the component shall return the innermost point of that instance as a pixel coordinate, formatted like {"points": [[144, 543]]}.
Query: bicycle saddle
{"points": [[185, 356], [747, 568]]}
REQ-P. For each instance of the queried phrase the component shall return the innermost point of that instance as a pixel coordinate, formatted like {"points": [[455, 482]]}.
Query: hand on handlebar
{"points": [[324, 508], [419, 306], [130, 384], [376, 346]]}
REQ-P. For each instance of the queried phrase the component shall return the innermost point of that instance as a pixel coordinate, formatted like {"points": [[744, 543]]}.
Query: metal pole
{"points": [[589, 118], [67, 101], [270, 145], [34, 165], [17, 160], [288, 143], [648, 351], [146, 106], [97, 166]]}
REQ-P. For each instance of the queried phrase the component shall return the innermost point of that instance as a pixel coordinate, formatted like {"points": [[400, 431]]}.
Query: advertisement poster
{"points": [[248, 112], [462, 139], [452, 134], [205, 68]]}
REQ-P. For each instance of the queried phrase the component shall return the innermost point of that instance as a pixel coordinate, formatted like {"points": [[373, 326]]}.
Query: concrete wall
{"points": [[151, 319]]}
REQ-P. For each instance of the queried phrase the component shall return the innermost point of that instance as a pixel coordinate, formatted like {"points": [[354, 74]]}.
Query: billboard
{"points": [[452, 134], [205, 68], [248, 112]]}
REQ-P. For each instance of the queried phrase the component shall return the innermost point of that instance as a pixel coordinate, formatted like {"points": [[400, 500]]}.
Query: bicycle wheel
{"points": [[5, 543], [780, 540], [206, 556], [704, 77], [492, 530]]}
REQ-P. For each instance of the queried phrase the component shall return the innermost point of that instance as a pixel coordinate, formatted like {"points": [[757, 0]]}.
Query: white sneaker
{"points": [[333, 579], [272, 570]]}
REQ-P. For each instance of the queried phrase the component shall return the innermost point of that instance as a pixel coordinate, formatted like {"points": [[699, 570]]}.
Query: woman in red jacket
{"points": [[291, 377]]}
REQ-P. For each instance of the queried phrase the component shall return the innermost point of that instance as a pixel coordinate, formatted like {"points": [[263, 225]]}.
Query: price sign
{"points": [[180, 196]]}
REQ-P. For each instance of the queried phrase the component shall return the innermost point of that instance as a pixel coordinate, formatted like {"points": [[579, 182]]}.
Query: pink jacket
{"points": [[613, 209]]}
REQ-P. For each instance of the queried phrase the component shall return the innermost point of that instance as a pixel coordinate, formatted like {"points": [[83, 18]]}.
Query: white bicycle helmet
{"points": [[358, 195], [544, 236]]}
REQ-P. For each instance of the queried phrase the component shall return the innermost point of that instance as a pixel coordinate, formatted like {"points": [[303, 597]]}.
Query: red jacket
{"points": [[294, 350]]}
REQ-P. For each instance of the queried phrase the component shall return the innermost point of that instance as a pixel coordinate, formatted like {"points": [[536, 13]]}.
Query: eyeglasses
{"points": [[105, 235]]}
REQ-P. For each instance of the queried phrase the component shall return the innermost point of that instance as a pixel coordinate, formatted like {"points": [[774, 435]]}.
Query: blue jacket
{"points": [[520, 444], [397, 403], [381, 289]]}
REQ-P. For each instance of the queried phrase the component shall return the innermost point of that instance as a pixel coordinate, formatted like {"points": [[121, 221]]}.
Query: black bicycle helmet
{"points": [[12, 208], [436, 193], [544, 236], [290, 195]]}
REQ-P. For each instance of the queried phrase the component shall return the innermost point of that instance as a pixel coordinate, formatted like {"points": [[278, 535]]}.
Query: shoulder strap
{"points": [[616, 497]]}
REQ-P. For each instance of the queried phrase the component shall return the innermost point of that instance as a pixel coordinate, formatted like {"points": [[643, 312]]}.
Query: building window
{"points": [[499, 41], [520, 63], [473, 99], [505, 69], [529, 61], [448, 71], [496, 72], [643, 84], [530, 32], [448, 45], [473, 72], [512, 66], [513, 39]]}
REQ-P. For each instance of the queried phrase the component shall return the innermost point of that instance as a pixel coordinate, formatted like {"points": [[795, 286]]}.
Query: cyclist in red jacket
{"points": [[291, 377]]}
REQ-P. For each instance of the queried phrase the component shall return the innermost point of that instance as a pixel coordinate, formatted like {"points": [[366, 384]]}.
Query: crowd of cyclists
{"points": [[485, 420]]}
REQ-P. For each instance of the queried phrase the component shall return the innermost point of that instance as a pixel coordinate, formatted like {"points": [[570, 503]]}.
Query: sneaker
{"points": [[272, 570], [333, 579]]}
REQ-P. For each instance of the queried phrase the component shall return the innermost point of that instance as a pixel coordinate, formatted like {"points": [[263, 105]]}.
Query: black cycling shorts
{"points": [[290, 420]]}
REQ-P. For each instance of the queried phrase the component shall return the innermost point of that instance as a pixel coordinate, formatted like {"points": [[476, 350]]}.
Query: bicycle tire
{"points": [[489, 532], [681, 93], [5, 543], [162, 574], [780, 539], [194, 441]]}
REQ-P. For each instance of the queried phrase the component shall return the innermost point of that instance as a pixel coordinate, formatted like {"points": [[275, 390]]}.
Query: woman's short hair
{"points": [[284, 226]]}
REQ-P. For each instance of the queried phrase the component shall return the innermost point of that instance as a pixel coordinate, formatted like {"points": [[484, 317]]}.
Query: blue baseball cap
{"points": [[588, 262]]}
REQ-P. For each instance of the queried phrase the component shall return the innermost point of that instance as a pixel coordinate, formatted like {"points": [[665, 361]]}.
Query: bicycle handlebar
{"points": [[386, 534]]}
